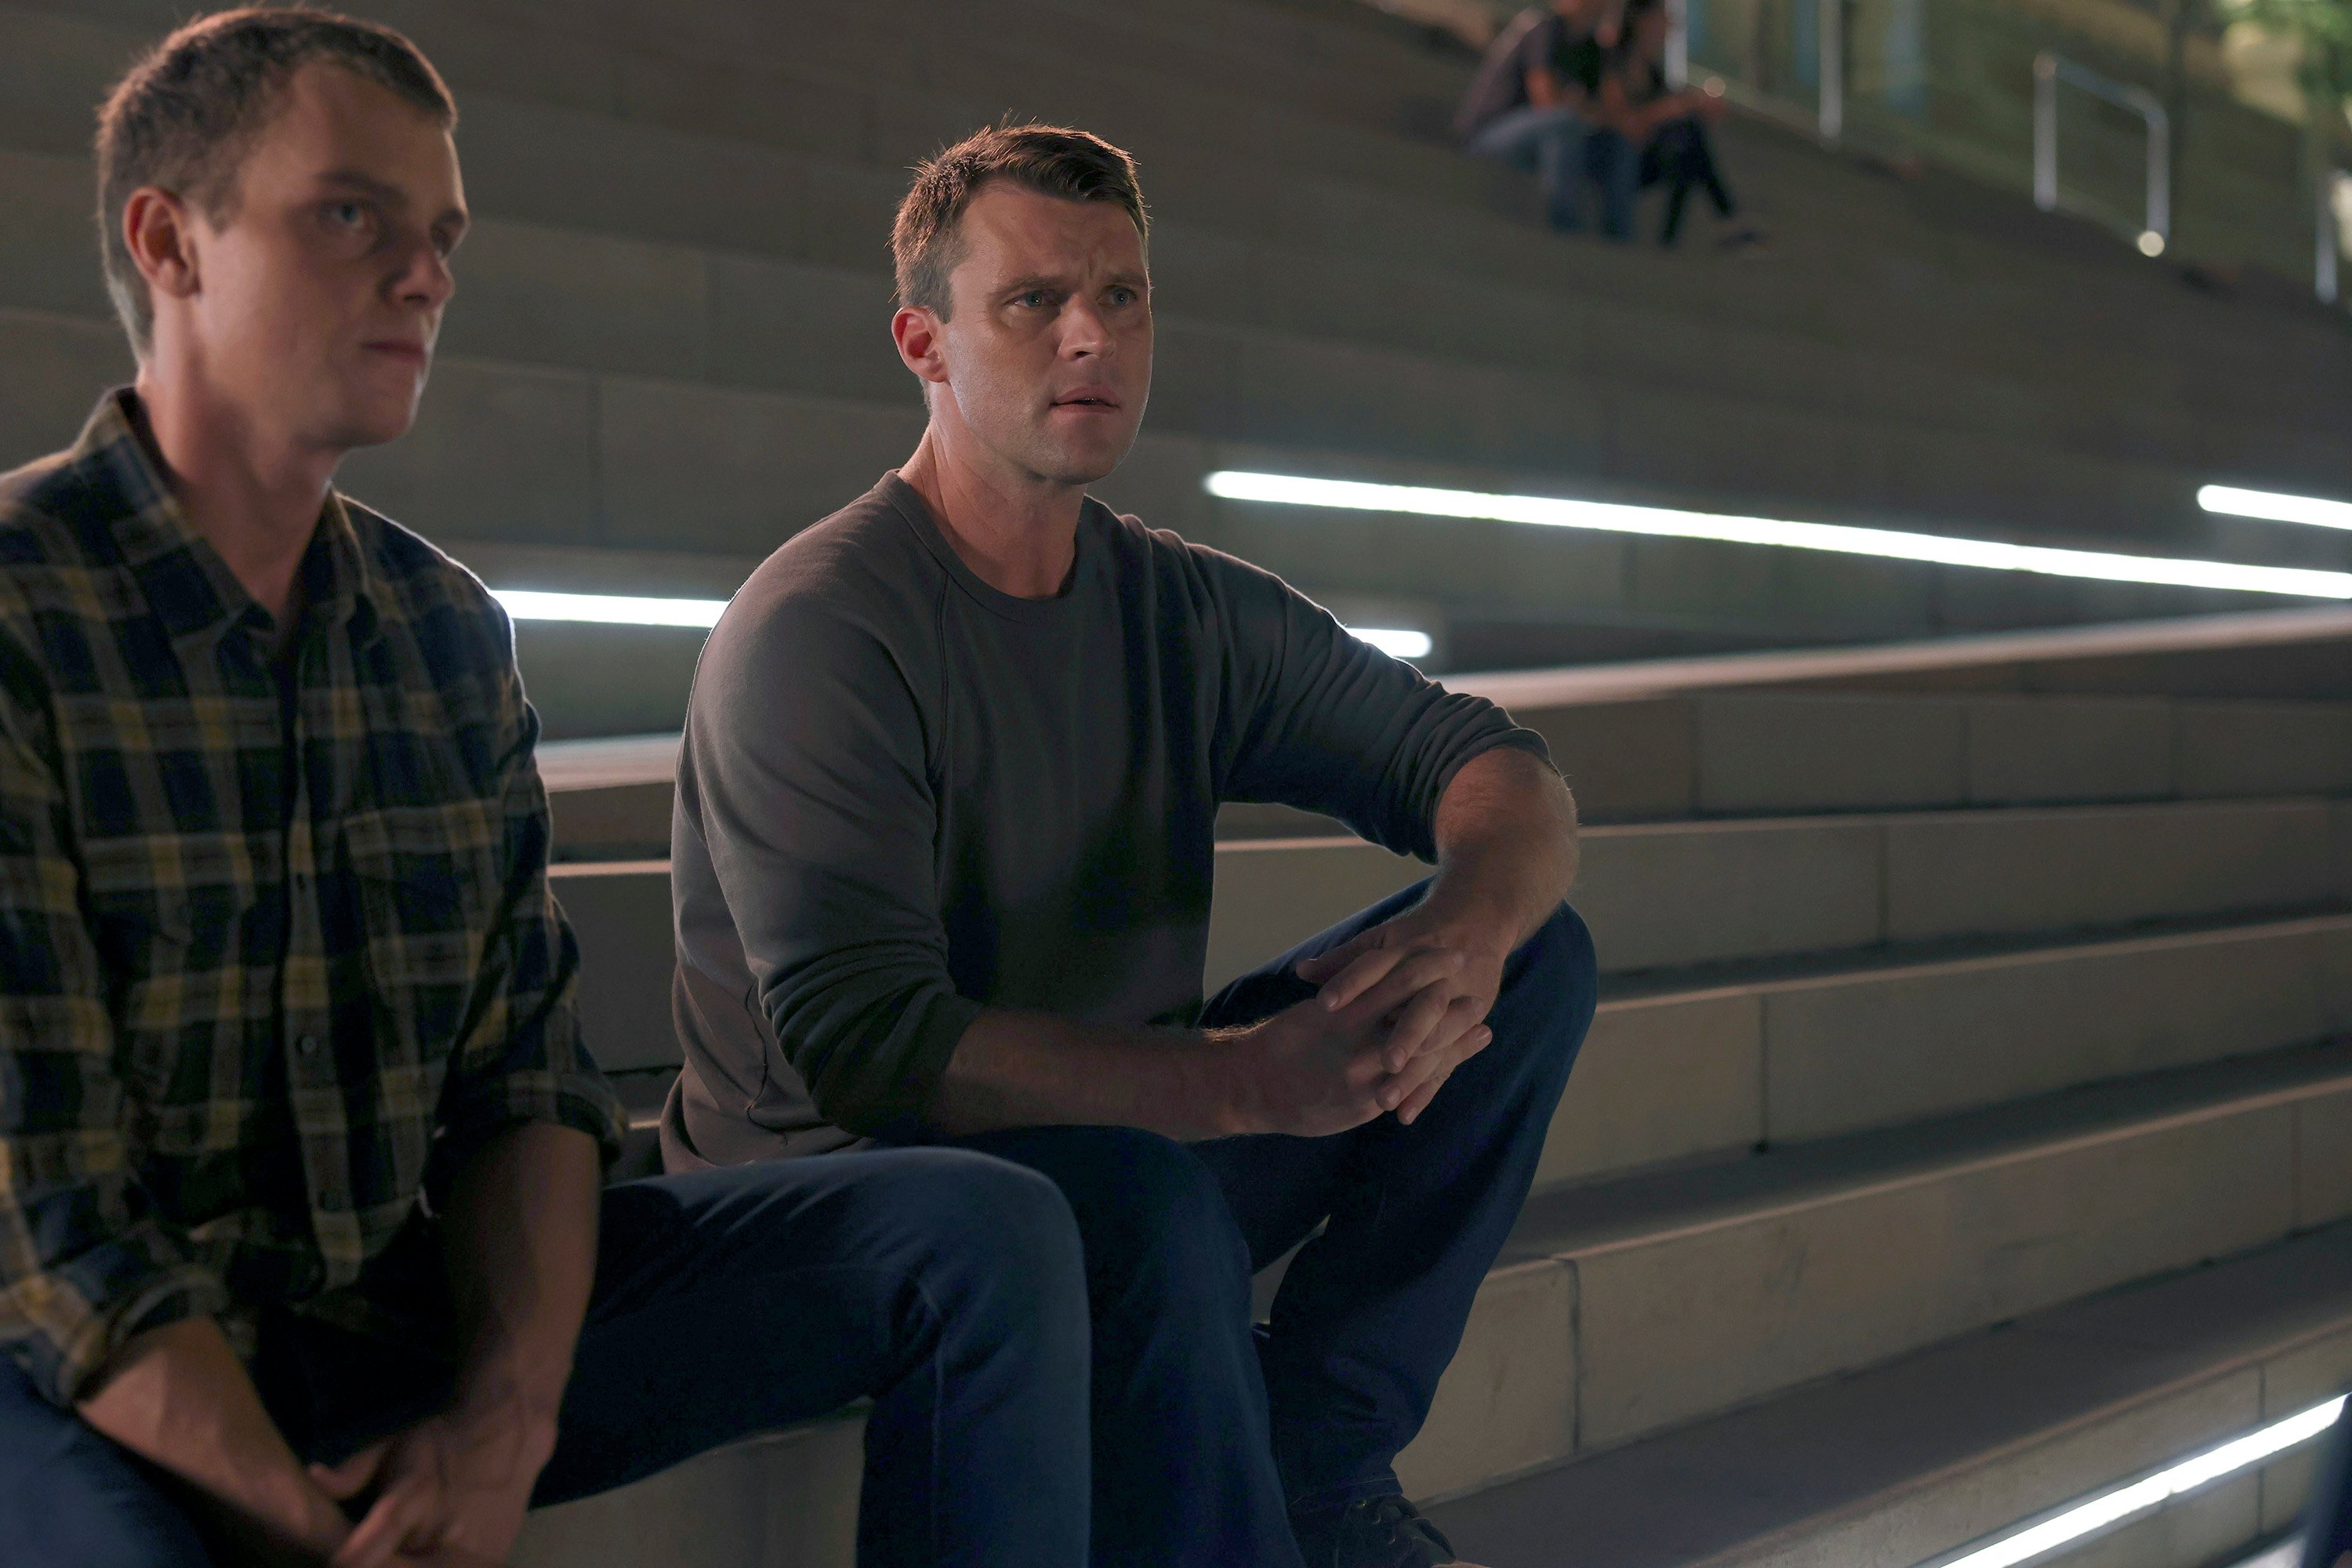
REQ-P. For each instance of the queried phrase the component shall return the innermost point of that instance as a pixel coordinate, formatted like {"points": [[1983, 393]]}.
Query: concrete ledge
{"points": [[1917, 1457]]}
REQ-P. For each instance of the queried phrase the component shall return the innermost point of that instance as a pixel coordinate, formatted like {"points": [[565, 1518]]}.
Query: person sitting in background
{"points": [[1529, 105], [299, 1149], [1650, 134]]}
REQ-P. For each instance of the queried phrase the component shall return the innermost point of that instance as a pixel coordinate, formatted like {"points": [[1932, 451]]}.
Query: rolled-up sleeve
{"points": [[820, 820], [1316, 718], [85, 1260], [520, 1057]]}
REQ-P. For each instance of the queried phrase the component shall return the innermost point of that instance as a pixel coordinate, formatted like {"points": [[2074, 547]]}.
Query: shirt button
{"points": [[308, 1044]]}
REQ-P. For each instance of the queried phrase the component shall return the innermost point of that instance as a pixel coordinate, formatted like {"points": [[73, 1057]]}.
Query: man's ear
{"points": [[916, 330], [160, 240]]}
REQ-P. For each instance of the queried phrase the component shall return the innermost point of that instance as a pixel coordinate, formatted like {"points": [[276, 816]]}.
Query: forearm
{"points": [[1027, 1069], [178, 1397], [1507, 844], [519, 1235]]}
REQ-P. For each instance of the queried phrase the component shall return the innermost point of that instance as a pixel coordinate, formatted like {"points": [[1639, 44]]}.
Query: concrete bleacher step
{"points": [[1667, 896], [613, 301], [1730, 753], [852, 97], [1627, 1307], [1905, 1463]]}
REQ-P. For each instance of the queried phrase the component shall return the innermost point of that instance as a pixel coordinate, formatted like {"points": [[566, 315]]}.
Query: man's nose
{"points": [[1084, 331], [427, 281]]}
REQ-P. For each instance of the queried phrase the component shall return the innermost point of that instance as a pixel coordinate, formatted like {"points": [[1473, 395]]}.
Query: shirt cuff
{"points": [[64, 1325], [582, 1101]]}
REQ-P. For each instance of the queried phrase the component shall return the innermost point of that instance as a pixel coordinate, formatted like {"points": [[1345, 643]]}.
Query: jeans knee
{"points": [[1155, 1216], [1561, 949]]}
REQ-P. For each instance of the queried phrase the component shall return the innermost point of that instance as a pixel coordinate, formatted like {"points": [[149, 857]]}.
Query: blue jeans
{"points": [[1613, 165], [1548, 141], [1210, 1435], [945, 1287]]}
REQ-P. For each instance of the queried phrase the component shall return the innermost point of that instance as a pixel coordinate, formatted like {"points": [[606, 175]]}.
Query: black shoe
{"points": [[1376, 1532]]}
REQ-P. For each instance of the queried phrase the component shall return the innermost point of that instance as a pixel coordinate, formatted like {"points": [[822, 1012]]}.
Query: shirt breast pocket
{"points": [[172, 961], [425, 898]]}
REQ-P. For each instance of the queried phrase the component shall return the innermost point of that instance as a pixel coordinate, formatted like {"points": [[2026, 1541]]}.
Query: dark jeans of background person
{"points": [[946, 1286], [1613, 165], [1682, 158], [2327, 1520], [1548, 141], [1209, 1434]]}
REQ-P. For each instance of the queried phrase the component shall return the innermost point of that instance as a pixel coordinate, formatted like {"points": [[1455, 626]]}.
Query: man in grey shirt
{"points": [[943, 854]]}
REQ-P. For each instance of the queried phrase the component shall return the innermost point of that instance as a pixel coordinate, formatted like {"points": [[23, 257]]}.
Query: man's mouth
{"points": [[413, 352], [1087, 399]]}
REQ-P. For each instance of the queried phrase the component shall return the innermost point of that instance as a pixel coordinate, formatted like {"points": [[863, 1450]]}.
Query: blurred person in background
{"points": [[1647, 133], [1531, 105]]}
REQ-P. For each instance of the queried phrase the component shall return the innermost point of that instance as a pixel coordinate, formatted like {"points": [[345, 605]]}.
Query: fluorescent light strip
{"points": [[1551, 511], [1395, 641], [2272, 507], [639, 610], [2112, 1508], [610, 609]]}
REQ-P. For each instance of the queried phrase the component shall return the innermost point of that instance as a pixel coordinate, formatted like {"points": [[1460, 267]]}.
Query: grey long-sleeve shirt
{"points": [[905, 796]]}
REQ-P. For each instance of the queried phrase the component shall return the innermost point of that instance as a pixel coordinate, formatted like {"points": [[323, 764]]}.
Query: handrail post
{"points": [[1677, 43], [2328, 252], [1831, 40], [2159, 176], [2045, 132], [2049, 70]]}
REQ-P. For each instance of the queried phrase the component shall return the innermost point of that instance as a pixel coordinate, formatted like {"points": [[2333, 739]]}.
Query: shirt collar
{"points": [[186, 583]]}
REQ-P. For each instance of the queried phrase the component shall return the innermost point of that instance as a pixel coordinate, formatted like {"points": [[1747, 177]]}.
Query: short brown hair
{"points": [[183, 117], [1052, 160]]}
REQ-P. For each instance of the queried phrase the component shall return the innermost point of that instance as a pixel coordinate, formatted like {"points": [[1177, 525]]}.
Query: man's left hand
{"points": [[450, 1491], [1429, 1022]]}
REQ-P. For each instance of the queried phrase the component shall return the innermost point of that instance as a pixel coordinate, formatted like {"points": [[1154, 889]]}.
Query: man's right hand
{"points": [[1311, 1071], [178, 1397]]}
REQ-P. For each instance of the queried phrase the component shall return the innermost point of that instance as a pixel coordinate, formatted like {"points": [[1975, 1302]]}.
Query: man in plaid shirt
{"points": [[300, 1153]]}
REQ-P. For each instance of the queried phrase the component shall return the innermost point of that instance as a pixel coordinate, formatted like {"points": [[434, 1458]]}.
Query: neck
{"points": [[252, 493], [1016, 531]]}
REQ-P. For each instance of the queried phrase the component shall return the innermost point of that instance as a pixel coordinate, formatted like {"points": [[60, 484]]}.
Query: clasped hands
{"points": [[1397, 1009], [448, 1492]]}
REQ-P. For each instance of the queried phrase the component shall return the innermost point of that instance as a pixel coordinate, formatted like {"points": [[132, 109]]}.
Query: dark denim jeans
{"points": [[945, 1286], [1209, 1436], [1550, 142]]}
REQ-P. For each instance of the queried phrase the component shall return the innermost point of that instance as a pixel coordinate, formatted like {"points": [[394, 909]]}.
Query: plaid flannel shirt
{"points": [[276, 955]]}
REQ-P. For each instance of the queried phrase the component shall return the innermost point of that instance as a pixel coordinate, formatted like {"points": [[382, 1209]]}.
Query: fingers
{"points": [[1416, 1028], [1460, 1016], [1413, 972], [1414, 1103], [345, 1481], [1319, 967], [408, 1513], [1360, 973]]}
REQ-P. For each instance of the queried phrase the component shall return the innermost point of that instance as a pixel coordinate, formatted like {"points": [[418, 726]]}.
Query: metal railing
{"points": [[1830, 65], [2050, 69], [1829, 45], [2329, 248]]}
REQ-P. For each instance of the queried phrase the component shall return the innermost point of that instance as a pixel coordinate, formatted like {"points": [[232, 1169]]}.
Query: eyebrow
{"points": [[389, 194], [1045, 280]]}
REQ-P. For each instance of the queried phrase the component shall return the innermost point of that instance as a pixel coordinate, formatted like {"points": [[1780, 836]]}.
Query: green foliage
{"points": [[2323, 28]]}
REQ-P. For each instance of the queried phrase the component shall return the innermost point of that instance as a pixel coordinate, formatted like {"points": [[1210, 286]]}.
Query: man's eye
{"points": [[350, 215], [1038, 298], [1122, 296]]}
